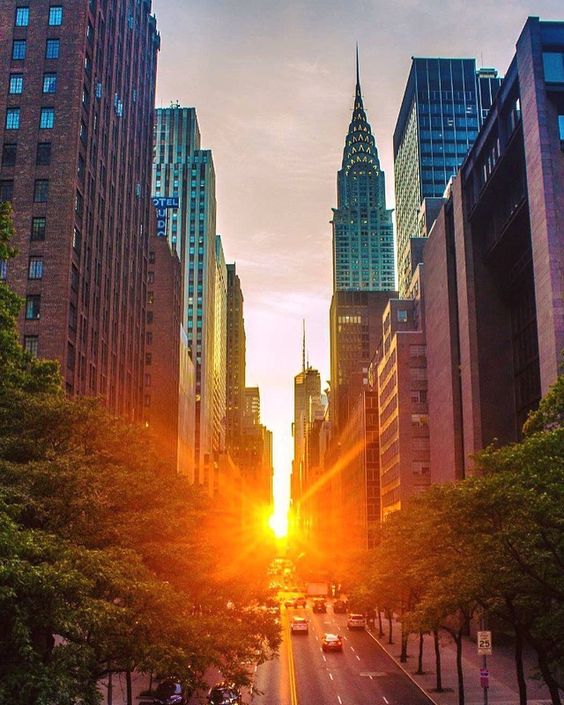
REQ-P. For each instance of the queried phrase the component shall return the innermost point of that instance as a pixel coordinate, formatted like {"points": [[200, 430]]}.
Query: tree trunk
{"points": [[548, 678], [110, 689], [380, 627], [404, 638], [519, 667], [390, 640], [420, 670], [439, 687], [128, 689], [460, 673]]}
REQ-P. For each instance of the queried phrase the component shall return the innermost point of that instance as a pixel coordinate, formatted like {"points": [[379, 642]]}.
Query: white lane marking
{"points": [[331, 676], [324, 657], [339, 699], [358, 657], [352, 648], [385, 700], [256, 667], [346, 638]]}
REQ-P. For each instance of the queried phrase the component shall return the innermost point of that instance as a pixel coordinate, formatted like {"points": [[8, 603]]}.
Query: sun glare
{"points": [[279, 524]]}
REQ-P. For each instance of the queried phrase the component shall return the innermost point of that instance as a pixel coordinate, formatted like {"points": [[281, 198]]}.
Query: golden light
{"points": [[279, 524]]}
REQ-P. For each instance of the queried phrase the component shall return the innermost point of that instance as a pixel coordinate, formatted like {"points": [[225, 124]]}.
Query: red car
{"points": [[331, 642]]}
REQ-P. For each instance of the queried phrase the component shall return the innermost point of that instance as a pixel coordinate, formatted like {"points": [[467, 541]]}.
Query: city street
{"points": [[304, 674]]}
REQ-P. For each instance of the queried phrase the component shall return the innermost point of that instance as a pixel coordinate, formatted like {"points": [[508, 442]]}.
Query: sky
{"points": [[272, 82]]}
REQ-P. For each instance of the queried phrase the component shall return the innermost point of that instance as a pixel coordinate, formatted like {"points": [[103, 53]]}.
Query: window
{"points": [[16, 84], [35, 270], [3, 270], [41, 191], [49, 82], [6, 191], [9, 154], [79, 204], [151, 298], [52, 48], [43, 157], [47, 118], [151, 258], [55, 16], [38, 228], [31, 344], [149, 338], [148, 358], [76, 240], [19, 47], [150, 277], [32, 307], [553, 66], [402, 315], [13, 119], [22, 16], [561, 131], [149, 317]]}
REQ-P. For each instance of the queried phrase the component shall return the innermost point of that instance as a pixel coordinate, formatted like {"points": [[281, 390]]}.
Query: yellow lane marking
{"points": [[291, 668]]}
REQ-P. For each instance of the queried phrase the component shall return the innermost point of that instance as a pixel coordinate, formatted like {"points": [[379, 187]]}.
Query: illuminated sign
{"points": [[162, 206]]}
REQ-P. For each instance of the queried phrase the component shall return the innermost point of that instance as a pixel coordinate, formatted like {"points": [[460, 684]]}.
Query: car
{"points": [[356, 621], [340, 607], [290, 602], [170, 692], [331, 642], [299, 625], [224, 694], [300, 602], [319, 606]]}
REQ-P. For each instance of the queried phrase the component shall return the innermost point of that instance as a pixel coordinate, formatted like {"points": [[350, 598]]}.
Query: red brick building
{"points": [[77, 93]]}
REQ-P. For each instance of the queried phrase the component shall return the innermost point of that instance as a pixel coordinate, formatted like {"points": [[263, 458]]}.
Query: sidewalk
{"points": [[503, 688]]}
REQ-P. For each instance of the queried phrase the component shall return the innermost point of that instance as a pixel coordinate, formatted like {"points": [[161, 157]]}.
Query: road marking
{"points": [[352, 648], [324, 657], [291, 667], [385, 699], [339, 699], [331, 676], [358, 657]]}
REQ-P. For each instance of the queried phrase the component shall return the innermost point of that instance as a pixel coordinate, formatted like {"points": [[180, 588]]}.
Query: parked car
{"points": [[356, 621], [224, 694], [299, 625], [170, 692], [331, 642], [340, 607], [319, 606]]}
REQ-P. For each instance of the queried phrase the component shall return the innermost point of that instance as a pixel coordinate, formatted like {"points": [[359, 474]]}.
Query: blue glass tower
{"points": [[363, 236]]}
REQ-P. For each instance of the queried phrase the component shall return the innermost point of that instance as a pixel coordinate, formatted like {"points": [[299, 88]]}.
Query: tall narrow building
{"points": [[220, 351], [184, 171], [363, 262], [444, 104], [363, 236], [77, 95], [235, 361]]}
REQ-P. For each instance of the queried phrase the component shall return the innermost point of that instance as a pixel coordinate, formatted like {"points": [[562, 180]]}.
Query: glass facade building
{"points": [[182, 170], [363, 236], [444, 105]]}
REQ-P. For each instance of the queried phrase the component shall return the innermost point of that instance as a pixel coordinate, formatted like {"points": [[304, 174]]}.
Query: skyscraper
{"points": [[182, 170], [236, 360], [76, 164], [363, 262], [444, 104], [363, 237], [220, 350]]}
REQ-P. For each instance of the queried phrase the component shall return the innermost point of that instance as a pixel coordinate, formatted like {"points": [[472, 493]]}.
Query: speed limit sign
{"points": [[484, 643]]}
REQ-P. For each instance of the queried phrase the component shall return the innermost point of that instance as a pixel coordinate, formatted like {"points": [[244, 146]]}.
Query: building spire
{"points": [[358, 93], [303, 347]]}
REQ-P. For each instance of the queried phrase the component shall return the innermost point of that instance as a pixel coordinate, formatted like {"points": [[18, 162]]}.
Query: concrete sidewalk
{"points": [[503, 689]]}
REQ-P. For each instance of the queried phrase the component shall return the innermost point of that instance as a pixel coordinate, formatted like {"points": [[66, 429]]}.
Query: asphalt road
{"points": [[305, 675]]}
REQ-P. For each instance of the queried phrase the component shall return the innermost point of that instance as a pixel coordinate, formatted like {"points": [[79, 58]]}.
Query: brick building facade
{"points": [[77, 93]]}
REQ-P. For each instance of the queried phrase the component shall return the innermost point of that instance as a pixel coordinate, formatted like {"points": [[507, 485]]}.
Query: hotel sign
{"points": [[162, 206]]}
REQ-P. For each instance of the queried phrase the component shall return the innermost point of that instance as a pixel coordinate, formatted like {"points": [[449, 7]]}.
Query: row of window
{"points": [[46, 118], [10, 150], [19, 49], [16, 85], [34, 271], [23, 16]]}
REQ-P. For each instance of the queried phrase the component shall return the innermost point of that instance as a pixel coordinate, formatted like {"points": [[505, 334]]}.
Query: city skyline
{"points": [[282, 153]]}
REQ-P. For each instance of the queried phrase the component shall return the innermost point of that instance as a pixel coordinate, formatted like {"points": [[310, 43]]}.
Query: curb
{"points": [[411, 678]]}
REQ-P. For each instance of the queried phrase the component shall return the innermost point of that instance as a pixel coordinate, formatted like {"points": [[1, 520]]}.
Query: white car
{"points": [[299, 625], [356, 621]]}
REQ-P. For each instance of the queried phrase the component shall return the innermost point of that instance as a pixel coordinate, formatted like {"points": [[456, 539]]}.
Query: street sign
{"points": [[484, 678], [484, 643]]}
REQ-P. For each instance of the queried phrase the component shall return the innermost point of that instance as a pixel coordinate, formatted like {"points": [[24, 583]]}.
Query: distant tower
{"points": [[363, 237]]}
